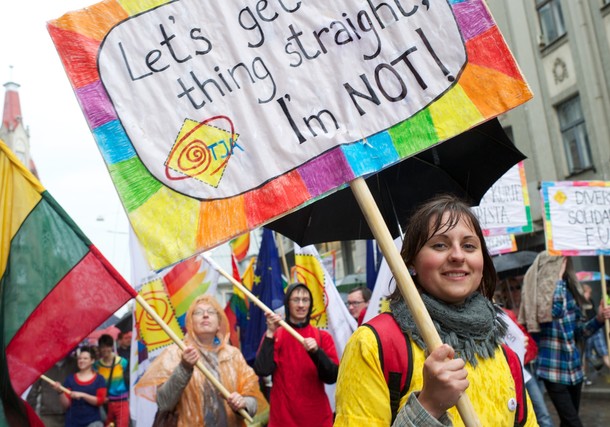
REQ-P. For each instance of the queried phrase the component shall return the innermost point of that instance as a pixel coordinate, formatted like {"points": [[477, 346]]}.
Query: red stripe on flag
{"points": [[90, 293], [240, 246], [235, 269], [232, 319], [33, 417]]}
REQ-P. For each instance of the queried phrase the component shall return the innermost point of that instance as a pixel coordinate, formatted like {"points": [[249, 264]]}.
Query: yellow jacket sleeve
{"points": [[362, 396]]}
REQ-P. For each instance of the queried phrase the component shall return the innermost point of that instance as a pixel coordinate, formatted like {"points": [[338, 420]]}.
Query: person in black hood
{"points": [[299, 371]]}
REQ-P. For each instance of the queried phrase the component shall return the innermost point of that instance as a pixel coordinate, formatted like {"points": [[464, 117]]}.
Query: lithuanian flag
{"points": [[55, 286]]}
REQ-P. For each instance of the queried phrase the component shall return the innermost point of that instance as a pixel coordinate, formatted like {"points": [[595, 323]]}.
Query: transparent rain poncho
{"points": [[200, 398]]}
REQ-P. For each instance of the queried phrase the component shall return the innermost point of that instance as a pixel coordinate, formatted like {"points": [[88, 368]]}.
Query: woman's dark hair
{"points": [[428, 220], [88, 349]]}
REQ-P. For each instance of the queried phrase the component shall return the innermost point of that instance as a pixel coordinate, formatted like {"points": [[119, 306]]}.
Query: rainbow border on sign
{"points": [[171, 226], [548, 227], [590, 276]]}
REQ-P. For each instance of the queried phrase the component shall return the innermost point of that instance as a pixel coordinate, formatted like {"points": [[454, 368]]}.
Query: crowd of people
{"points": [[90, 388], [387, 375]]}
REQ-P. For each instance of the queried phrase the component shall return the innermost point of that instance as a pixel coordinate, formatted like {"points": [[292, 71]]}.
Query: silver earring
{"points": [[412, 271]]}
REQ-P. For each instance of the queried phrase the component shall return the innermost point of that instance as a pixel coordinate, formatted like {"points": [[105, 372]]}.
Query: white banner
{"points": [[505, 209], [501, 244], [577, 217], [250, 82]]}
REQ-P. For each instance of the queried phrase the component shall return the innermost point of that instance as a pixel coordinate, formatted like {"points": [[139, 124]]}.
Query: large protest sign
{"points": [[505, 208], [577, 217], [216, 117]]}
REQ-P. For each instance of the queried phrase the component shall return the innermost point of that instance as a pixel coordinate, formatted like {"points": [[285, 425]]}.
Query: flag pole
{"points": [[602, 270], [283, 258], [405, 284], [152, 313], [52, 382], [253, 298]]}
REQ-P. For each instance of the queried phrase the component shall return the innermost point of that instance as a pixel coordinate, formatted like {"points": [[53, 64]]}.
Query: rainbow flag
{"points": [[187, 280], [55, 286], [240, 245], [238, 305], [170, 293]]}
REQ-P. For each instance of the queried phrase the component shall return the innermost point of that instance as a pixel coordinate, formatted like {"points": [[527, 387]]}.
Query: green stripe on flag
{"points": [[133, 182], [37, 263]]}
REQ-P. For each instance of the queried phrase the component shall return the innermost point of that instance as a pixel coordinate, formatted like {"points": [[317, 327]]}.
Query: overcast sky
{"points": [[66, 156], [69, 163]]}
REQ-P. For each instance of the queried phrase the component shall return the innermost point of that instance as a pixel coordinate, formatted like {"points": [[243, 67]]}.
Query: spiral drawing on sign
{"points": [[151, 333], [193, 156]]}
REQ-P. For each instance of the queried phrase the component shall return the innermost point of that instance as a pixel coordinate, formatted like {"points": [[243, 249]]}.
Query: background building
{"points": [[563, 49], [13, 132]]}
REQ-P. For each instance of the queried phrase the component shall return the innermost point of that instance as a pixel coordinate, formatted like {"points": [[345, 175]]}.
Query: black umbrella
{"points": [[514, 263], [466, 165]]}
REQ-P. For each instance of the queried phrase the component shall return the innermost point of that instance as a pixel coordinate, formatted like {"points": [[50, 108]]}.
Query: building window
{"points": [[574, 134], [551, 20]]}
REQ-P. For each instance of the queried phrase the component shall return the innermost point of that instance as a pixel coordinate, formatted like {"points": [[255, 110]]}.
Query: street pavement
{"points": [[594, 402]]}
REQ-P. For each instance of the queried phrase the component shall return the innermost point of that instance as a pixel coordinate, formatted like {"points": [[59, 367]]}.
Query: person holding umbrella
{"points": [[446, 254]]}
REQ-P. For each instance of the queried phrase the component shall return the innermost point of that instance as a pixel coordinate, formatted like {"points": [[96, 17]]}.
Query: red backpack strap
{"points": [[517, 372], [395, 357]]}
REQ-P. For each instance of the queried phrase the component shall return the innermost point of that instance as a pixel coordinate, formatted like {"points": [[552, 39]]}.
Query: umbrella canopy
{"points": [[94, 336], [514, 263], [466, 165]]}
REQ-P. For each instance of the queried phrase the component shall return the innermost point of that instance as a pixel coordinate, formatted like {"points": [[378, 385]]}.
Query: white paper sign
{"points": [[577, 217], [232, 74], [501, 244], [504, 209]]}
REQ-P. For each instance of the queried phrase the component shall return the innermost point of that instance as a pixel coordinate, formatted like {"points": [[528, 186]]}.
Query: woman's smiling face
{"points": [[450, 264]]}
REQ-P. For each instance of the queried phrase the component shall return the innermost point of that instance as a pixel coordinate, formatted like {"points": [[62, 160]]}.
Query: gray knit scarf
{"points": [[472, 328]]}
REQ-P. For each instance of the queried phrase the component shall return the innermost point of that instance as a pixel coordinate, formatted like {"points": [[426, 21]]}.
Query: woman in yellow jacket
{"points": [[445, 252]]}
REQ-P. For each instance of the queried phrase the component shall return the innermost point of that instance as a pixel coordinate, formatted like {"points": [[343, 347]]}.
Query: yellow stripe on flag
{"points": [[20, 193], [247, 279]]}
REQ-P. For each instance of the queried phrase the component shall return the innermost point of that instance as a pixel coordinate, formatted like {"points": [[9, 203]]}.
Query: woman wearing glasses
{"points": [[299, 370], [175, 385]]}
